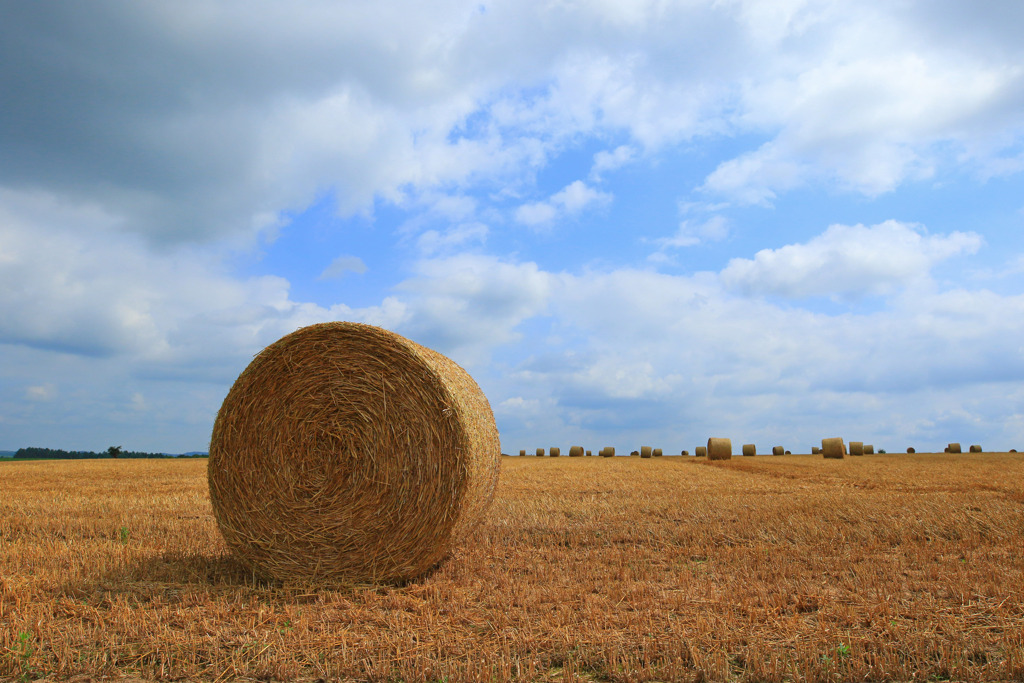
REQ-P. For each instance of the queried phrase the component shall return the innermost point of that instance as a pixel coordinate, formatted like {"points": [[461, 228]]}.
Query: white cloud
{"points": [[341, 265], [848, 261], [605, 161], [42, 392], [692, 233], [571, 200]]}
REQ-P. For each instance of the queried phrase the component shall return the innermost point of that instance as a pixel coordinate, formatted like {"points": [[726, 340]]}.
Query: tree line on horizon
{"points": [[36, 453]]}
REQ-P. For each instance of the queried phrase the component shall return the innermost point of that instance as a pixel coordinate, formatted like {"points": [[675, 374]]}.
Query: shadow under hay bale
{"points": [[346, 453]]}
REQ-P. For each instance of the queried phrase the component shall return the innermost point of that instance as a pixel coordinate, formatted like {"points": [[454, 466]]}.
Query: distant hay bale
{"points": [[657, 453], [953, 448], [701, 452], [815, 450], [576, 451], [856, 448], [778, 450], [634, 453], [833, 448], [645, 451], [719, 449], [789, 453], [685, 453], [522, 452], [346, 453], [540, 452], [749, 449], [1012, 450], [911, 449], [554, 451], [589, 454], [975, 448], [608, 452], [869, 449]]}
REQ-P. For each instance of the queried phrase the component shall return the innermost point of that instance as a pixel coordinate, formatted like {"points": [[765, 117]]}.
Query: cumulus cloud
{"points": [[848, 261], [571, 200], [341, 265]]}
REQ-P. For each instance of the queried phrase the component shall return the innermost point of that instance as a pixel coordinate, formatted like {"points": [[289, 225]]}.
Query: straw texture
{"points": [[346, 453], [719, 449], [833, 448]]}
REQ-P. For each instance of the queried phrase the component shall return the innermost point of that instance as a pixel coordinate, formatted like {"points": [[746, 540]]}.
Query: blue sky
{"points": [[632, 222]]}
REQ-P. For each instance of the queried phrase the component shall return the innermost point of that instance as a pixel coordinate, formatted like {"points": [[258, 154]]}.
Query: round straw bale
{"points": [[685, 453], [589, 454], [1012, 450], [657, 453], [346, 453], [700, 452], [634, 453], [856, 448], [749, 449], [555, 452], [911, 450], [869, 449], [645, 451], [778, 450], [608, 452], [975, 448], [789, 453], [833, 448], [953, 448], [575, 451], [522, 452], [719, 449], [815, 450], [540, 452]]}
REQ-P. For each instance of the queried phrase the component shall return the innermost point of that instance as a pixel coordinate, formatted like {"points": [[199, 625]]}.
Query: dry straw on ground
{"points": [[347, 453], [719, 449], [778, 450], [833, 448], [856, 448], [749, 449]]}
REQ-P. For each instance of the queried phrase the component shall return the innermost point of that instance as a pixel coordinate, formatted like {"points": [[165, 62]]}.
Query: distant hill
{"points": [[7, 454]]}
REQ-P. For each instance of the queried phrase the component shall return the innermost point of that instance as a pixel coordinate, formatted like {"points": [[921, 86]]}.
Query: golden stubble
{"points": [[619, 569]]}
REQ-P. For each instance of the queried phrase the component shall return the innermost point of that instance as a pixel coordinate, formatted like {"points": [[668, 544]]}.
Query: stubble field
{"points": [[884, 567]]}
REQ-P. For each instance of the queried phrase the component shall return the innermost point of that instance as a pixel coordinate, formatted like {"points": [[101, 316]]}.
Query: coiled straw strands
{"points": [[833, 448], [345, 453], [719, 449]]}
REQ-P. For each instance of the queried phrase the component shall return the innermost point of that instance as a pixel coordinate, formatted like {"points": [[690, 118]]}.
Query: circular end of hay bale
{"points": [[833, 448], [719, 449], [778, 450], [346, 453]]}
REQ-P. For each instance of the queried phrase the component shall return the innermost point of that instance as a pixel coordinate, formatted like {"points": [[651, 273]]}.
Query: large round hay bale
{"points": [[658, 453], [869, 449], [645, 451], [778, 450], [954, 448], [522, 452], [608, 452], [749, 449], [975, 448], [856, 448], [685, 453], [575, 451], [700, 452], [540, 452], [555, 452], [833, 448], [346, 453], [719, 449]]}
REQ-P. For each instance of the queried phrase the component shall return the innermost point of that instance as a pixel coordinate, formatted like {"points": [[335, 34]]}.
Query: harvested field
{"points": [[595, 569]]}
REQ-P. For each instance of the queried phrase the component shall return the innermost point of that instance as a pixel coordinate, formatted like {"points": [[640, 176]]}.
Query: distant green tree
{"points": [[114, 451]]}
